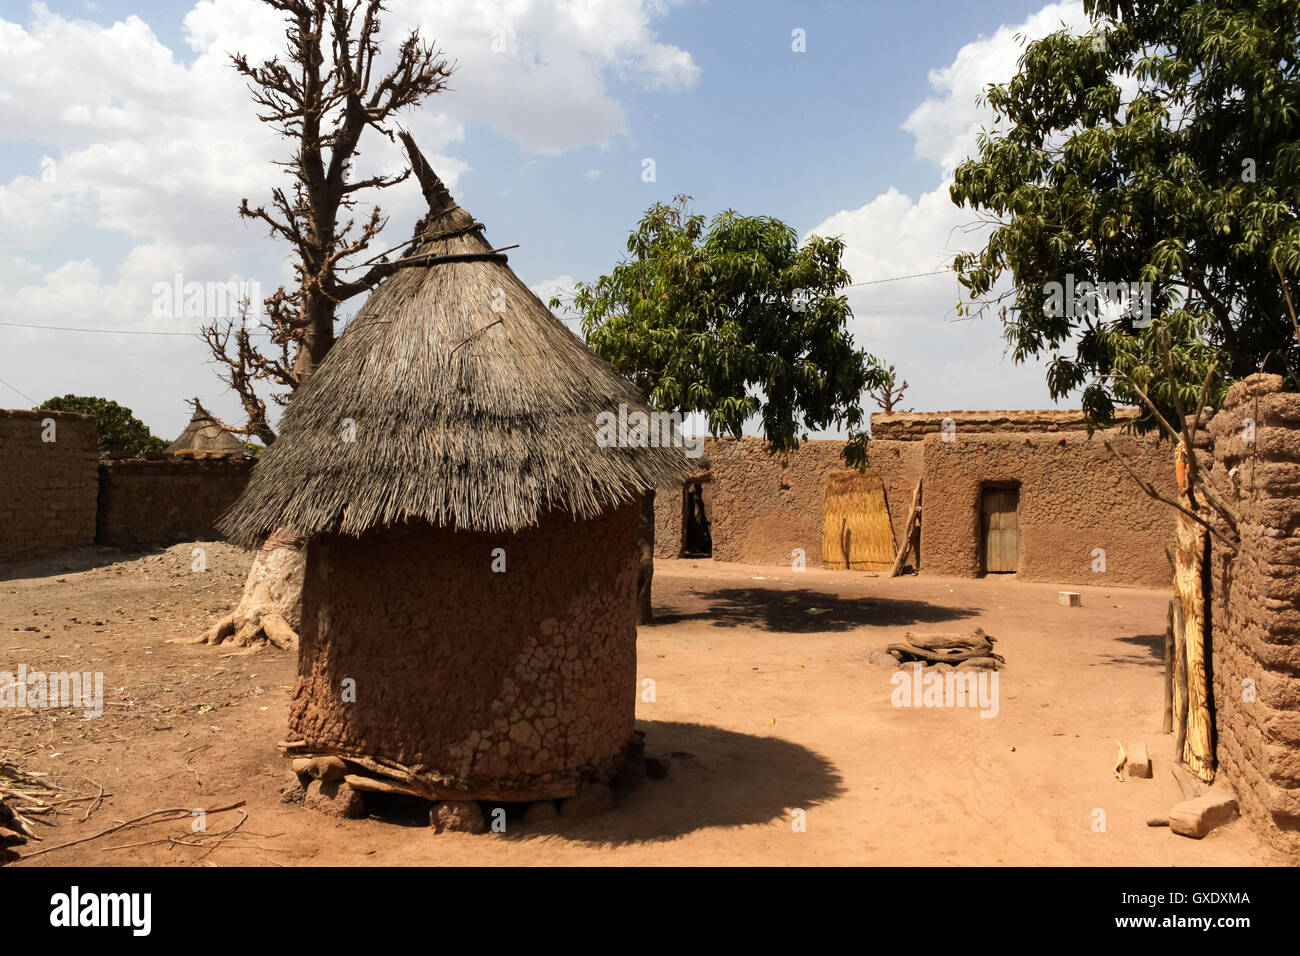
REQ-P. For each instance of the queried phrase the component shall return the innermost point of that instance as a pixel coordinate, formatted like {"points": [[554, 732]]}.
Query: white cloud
{"points": [[946, 125], [157, 150], [950, 361]]}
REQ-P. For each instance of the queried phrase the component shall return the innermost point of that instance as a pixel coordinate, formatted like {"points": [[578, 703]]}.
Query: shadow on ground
{"points": [[718, 778], [1148, 650], [798, 611], [70, 562]]}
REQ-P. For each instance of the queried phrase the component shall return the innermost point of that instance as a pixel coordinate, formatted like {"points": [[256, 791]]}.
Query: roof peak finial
{"points": [[435, 193]]}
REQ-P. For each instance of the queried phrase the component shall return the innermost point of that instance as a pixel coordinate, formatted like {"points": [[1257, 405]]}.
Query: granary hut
{"points": [[204, 434], [469, 605]]}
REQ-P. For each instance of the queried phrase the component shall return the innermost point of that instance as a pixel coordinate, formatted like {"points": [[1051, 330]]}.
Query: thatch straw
{"points": [[204, 433], [857, 533], [464, 416]]}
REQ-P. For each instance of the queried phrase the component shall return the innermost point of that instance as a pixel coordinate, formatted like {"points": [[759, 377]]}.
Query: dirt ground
{"points": [[764, 697]]}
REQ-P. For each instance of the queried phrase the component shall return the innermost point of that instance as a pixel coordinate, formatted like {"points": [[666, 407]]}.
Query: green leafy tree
{"points": [[1163, 147], [731, 318], [121, 434]]}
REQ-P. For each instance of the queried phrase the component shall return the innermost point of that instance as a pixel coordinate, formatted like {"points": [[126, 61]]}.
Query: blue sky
{"points": [[854, 136]]}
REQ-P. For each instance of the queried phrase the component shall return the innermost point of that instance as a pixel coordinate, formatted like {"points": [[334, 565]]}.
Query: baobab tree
{"points": [[321, 94]]}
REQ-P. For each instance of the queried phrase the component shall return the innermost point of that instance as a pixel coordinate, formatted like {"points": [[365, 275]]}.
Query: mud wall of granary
{"points": [[1255, 605], [157, 502], [494, 679], [1074, 499], [47, 482]]}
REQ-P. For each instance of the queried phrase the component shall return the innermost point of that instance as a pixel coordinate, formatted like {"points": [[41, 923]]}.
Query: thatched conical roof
{"points": [[461, 415], [204, 433]]}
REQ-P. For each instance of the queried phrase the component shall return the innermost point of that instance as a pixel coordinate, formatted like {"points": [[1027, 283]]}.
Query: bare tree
{"points": [[888, 393], [321, 94]]}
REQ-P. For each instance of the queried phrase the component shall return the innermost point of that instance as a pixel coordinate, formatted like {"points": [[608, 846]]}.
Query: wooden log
{"points": [[1192, 541], [1180, 678], [1188, 783], [555, 790], [907, 533], [1167, 715], [358, 782]]}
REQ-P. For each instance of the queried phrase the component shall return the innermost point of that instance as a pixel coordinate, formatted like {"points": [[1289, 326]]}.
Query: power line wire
{"points": [[914, 275], [262, 334], [67, 328], [16, 391]]}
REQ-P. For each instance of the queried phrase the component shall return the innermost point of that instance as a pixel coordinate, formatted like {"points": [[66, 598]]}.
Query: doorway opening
{"points": [[697, 505], [1000, 527]]}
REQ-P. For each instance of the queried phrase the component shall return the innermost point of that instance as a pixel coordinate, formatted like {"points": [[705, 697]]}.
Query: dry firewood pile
{"points": [[27, 798], [969, 650]]}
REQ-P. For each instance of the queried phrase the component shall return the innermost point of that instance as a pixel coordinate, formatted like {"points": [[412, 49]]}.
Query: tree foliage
{"points": [[733, 317], [1163, 147], [121, 434]]}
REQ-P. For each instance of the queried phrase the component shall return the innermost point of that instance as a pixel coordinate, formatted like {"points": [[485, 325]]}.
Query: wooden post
{"points": [[1167, 722], [907, 533]]}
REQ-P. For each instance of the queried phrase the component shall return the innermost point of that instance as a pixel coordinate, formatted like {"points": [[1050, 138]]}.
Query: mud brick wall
{"points": [[1074, 498], [899, 464], [1255, 605], [761, 511], [47, 488], [522, 679], [146, 503], [670, 517], [913, 426]]}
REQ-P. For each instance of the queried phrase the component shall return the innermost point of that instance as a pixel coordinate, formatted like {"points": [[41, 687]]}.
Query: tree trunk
{"points": [[647, 571], [270, 611]]}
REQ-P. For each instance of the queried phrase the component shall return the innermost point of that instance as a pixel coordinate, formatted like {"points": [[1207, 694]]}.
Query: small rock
{"points": [[541, 811], [1139, 762], [457, 816], [1069, 599], [981, 663], [293, 790], [1157, 821], [594, 798], [334, 799], [1197, 817], [656, 768], [882, 658]]}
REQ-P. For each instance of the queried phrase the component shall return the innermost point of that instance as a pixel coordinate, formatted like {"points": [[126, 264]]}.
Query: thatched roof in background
{"points": [[204, 433], [464, 416]]}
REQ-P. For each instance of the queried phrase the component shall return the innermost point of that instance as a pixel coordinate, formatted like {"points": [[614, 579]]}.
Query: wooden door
{"points": [[1000, 521], [856, 531]]}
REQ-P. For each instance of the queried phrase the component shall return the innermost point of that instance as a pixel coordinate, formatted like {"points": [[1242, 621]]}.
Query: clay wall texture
{"points": [[899, 464], [47, 488], [1074, 499], [1255, 605], [913, 426], [493, 680], [145, 503]]}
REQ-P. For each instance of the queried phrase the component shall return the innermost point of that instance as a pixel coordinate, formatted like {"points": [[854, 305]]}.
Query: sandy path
{"points": [[762, 685]]}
